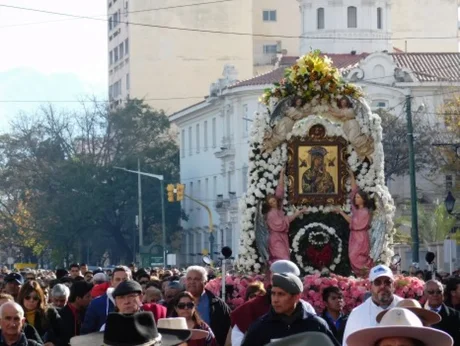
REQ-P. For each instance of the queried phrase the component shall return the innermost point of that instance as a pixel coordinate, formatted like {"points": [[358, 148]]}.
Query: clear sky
{"points": [[50, 57]]}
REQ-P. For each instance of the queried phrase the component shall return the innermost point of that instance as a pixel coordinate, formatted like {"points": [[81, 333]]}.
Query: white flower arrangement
{"points": [[328, 233]]}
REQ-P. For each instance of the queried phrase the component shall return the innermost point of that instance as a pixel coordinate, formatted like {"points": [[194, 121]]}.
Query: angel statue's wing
{"points": [[280, 108], [378, 229], [261, 233]]}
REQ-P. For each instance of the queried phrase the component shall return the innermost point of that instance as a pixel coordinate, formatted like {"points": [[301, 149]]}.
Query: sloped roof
{"points": [[431, 67], [427, 67]]}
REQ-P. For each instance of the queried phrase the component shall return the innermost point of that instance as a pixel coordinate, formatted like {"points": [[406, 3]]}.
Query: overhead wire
{"points": [[233, 33]]}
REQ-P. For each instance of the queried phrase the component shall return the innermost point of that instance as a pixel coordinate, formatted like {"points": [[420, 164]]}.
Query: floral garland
{"points": [[330, 238], [314, 79], [264, 168]]}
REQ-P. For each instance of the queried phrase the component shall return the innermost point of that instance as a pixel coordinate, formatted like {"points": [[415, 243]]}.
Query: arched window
{"points": [[352, 14], [379, 18], [320, 18]]}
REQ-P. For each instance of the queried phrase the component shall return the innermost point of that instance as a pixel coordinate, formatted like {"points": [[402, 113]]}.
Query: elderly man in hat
{"points": [[101, 306], [13, 283], [128, 300], [288, 315], [382, 298], [246, 314], [399, 327], [450, 318]]}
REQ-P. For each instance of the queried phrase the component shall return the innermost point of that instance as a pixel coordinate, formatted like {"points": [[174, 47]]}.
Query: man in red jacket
{"points": [[128, 300]]}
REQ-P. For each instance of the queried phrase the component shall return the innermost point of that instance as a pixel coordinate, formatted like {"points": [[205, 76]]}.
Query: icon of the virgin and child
{"points": [[316, 179]]}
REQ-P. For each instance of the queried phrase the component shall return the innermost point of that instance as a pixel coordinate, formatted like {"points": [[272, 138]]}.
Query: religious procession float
{"points": [[317, 193]]}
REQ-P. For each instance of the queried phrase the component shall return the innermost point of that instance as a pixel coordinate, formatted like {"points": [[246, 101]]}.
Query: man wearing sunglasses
{"points": [[450, 323], [382, 298]]}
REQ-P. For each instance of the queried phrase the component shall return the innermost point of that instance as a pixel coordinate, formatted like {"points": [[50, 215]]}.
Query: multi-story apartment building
{"points": [[169, 51]]}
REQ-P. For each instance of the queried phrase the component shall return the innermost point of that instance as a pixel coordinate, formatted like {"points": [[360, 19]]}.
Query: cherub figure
{"points": [[363, 145], [279, 132]]}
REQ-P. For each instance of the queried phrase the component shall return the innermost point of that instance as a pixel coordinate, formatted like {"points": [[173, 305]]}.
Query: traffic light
{"points": [[170, 189], [180, 191]]}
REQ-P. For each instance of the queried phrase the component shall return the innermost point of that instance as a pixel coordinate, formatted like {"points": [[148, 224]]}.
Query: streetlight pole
{"points": [[139, 202], [163, 221], [413, 186]]}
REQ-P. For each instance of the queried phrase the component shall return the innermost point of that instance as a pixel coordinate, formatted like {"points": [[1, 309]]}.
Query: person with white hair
{"points": [[212, 310], [12, 321], [60, 295]]}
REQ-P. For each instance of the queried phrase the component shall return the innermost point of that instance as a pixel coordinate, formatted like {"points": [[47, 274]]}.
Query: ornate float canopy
{"points": [[315, 121]]}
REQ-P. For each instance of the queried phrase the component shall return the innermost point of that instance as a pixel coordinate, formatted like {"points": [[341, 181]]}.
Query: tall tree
{"points": [[60, 167], [395, 144]]}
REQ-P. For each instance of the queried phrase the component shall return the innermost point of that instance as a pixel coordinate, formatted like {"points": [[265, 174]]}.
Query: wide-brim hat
{"points": [[138, 329], [304, 339], [399, 322], [427, 317], [179, 323]]}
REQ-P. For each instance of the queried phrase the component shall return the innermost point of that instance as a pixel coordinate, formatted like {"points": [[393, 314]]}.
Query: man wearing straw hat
{"points": [[399, 327]]}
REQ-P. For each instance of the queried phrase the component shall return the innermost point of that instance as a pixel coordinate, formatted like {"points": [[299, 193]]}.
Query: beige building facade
{"points": [[425, 25], [169, 51]]}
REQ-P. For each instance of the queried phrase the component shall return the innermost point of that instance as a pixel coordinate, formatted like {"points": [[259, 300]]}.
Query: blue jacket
{"points": [[272, 326], [96, 314]]}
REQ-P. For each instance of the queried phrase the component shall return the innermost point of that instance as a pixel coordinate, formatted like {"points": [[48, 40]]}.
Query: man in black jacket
{"points": [[11, 323], [73, 313], [333, 313], [288, 315], [450, 322], [213, 310]]}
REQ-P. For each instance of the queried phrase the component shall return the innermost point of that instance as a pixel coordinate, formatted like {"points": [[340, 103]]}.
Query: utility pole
{"points": [[413, 185], [163, 220], [139, 201]]}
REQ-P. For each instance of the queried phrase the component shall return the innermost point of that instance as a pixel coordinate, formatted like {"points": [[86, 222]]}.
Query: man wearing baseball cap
{"points": [[243, 316], [287, 316], [13, 283], [382, 298]]}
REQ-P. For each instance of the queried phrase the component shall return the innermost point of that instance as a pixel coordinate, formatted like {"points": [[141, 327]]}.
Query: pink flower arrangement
{"points": [[353, 289]]}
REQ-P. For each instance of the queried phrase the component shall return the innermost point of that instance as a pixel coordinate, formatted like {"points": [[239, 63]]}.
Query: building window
{"points": [[115, 55], [352, 15], [190, 141], [449, 182], [198, 190], [205, 134], [320, 18], [127, 46], [379, 104], [214, 187], [182, 143], [121, 50], [379, 18], [197, 138], [115, 20], [111, 57], [127, 82], [270, 48], [269, 15], [214, 135], [110, 23]]}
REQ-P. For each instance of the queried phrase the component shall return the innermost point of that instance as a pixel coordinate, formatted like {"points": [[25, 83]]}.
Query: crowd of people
{"points": [[127, 306]]}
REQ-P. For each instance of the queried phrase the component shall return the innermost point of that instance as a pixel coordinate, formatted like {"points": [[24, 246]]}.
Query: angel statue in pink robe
{"points": [[359, 246], [277, 225]]}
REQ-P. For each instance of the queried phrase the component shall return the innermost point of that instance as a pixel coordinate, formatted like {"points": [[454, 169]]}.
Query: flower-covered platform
{"points": [[353, 289], [317, 131]]}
